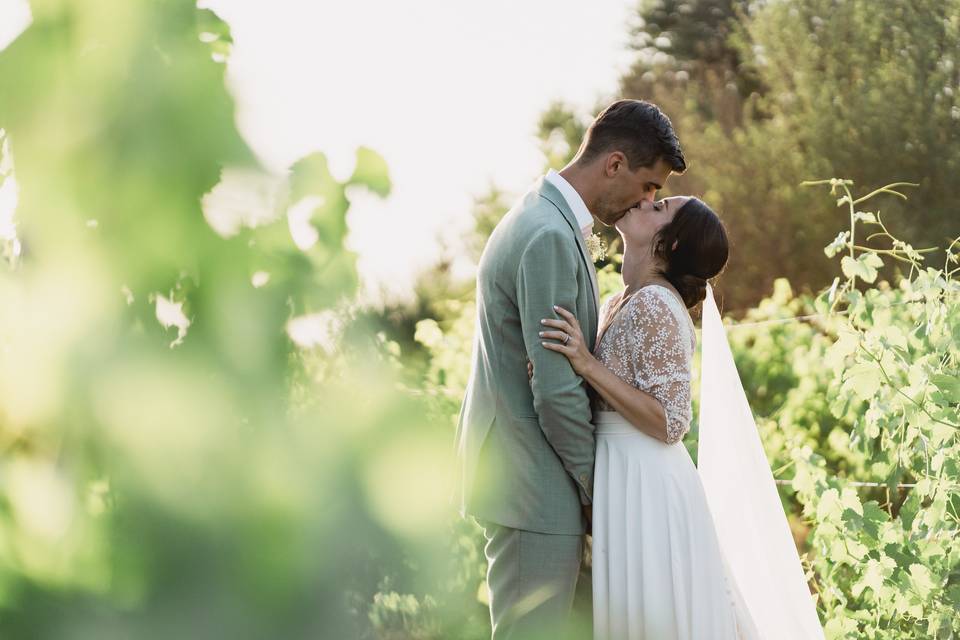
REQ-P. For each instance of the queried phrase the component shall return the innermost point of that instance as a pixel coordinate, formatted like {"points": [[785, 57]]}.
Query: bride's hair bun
{"points": [[691, 288], [694, 248]]}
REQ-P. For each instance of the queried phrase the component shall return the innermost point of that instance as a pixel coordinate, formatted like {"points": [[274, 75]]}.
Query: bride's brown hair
{"points": [[694, 248]]}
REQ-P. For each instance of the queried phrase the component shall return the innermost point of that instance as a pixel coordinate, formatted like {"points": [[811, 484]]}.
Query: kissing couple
{"points": [[590, 442]]}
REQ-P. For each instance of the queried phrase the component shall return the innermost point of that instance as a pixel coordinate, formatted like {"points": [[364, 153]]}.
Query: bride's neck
{"points": [[640, 268]]}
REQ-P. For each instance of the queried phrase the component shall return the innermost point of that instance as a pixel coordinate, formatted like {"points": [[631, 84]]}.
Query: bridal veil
{"points": [[751, 526]]}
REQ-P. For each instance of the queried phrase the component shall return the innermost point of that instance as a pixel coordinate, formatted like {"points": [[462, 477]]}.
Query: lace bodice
{"points": [[649, 344]]}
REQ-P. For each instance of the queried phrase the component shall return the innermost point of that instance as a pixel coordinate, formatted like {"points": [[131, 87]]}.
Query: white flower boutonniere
{"points": [[597, 247]]}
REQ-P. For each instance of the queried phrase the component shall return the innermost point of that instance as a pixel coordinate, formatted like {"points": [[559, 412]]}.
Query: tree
{"points": [[767, 94]]}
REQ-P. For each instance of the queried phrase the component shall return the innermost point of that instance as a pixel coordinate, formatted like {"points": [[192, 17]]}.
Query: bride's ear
{"points": [[676, 243]]}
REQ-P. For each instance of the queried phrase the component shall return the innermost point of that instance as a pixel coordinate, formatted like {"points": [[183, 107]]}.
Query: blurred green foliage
{"points": [[201, 435]]}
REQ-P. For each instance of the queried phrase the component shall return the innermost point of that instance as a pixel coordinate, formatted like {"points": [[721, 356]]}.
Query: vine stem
{"points": [[893, 253], [853, 227], [874, 235], [946, 262], [886, 189]]}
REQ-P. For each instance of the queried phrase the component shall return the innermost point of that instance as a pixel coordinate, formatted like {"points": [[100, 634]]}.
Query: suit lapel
{"points": [[551, 193]]}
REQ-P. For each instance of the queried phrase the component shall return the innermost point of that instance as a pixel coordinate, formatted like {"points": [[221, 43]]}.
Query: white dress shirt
{"points": [[574, 201]]}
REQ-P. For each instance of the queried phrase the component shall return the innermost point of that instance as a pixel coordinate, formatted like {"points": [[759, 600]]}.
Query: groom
{"points": [[527, 447]]}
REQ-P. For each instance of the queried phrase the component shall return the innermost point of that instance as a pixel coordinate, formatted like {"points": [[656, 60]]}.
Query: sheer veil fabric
{"points": [[750, 523]]}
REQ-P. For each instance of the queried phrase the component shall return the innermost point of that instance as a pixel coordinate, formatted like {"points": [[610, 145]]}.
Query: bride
{"points": [[658, 569]]}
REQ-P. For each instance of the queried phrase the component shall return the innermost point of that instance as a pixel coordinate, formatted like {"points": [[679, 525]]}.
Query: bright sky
{"points": [[14, 17], [448, 91]]}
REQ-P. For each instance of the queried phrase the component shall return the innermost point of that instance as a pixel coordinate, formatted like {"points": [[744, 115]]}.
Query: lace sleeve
{"points": [[662, 355]]}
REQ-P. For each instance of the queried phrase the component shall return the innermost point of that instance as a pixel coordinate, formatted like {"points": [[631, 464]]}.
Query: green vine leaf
{"points": [[864, 267], [863, 380], [839, 244], [371, 171], [948, 385]]}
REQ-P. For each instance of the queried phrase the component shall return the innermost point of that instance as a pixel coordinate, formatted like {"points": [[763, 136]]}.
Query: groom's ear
{"points": [[615, 162]]}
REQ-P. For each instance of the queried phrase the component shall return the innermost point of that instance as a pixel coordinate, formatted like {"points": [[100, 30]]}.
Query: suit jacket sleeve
{"points": [[547, 276]]}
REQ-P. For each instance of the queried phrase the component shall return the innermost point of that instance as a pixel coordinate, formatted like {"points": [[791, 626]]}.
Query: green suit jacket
{"points": [[527, 447]]}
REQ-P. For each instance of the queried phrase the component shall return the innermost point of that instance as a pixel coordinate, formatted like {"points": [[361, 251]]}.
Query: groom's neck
{"points": [[578, 175]]}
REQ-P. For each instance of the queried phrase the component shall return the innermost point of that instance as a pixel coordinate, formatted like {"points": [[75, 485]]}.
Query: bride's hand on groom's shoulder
{"points": [[565, 336]]}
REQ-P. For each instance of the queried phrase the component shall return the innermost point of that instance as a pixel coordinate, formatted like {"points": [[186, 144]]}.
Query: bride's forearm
{"points": [[638, 407]]}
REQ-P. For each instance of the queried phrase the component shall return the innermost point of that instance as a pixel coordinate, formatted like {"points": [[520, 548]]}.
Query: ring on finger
{"points": [[566, 338]]}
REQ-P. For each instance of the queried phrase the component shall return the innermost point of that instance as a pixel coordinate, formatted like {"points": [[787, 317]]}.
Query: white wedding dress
{"points": [[658, 569]]}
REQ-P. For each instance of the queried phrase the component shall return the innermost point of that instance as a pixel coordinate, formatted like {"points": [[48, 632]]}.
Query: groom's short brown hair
{"points": [[638, 129]]}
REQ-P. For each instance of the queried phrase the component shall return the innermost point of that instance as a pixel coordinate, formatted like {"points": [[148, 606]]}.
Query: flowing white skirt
{"points": [[658, 572]]}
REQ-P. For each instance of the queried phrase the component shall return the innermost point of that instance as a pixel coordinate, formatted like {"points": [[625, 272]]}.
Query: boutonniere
{"points": [[597, 247]]}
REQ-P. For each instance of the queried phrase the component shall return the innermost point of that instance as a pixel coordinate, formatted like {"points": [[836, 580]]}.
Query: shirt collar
{"points": [[574, 201]]}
